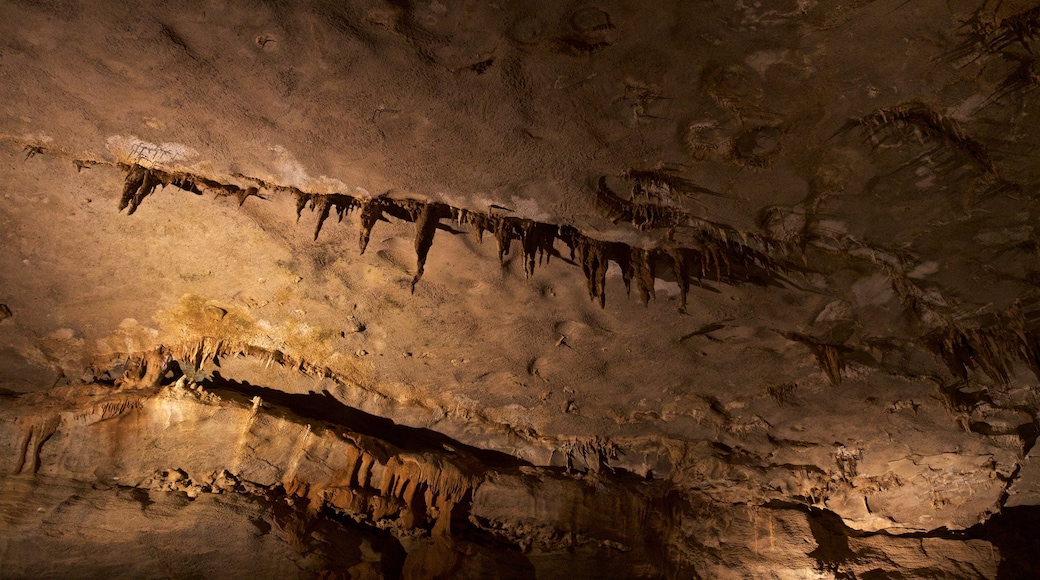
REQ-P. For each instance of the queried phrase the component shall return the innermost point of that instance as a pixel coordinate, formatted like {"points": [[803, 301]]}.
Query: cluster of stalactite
{"points": [[363, 476], [149, 369], [652, 183], [829, 356], [986, 35], [1011, 38], [142, 181], [725, 259], [596, 452], [924, 121], [990, 343], [649, 212], [722, 254], [992, 348], [207, 349]]}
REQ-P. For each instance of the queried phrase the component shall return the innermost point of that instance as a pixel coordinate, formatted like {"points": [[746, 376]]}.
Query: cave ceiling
{"points": [[775, 255]]}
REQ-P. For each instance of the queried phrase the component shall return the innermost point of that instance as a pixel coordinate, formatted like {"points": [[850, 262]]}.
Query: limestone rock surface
{"points": [[431, 289]]}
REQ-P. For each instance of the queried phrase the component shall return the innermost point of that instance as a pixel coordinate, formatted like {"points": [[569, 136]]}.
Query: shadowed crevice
{"points": [[325, 408]]}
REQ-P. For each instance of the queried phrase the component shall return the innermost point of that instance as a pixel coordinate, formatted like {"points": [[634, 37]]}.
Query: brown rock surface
{"points": [[542, 289]]}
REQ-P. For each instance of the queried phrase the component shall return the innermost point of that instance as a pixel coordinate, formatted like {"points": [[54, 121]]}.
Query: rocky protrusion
{"points": [[36, 430], [147, 370]]}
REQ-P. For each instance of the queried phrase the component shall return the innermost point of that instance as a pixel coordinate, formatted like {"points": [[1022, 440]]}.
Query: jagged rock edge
{"points": [[724, 254]]}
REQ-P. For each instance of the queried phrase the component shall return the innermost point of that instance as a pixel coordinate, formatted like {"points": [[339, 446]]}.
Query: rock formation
{"points": [[613, 290]]}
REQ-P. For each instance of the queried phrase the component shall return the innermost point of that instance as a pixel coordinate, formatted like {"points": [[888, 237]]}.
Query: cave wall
{"points": [[689, 288]]}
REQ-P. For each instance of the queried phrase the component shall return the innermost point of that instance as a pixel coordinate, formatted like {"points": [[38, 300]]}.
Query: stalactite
{"points": [[829, 356], [707, 258], [682, 274], [371, 212], [986, 36], [1023, 80], [37, 430], [537, 240], [503, 229], [480, 225], [244, 194], [593, 259], [301, 202], [1028, 338], [146, 370], [624, 261], [424, 481], [643, 265], [597, 452], [201, 351], [187, 183], [133, 182], [140, 183], [82, 164], [830, 360], [324, 205], [968, 349], [109, 409], [426, 218]]}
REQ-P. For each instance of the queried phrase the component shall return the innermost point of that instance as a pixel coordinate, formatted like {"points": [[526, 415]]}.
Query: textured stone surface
{"points": [[651, 284]]}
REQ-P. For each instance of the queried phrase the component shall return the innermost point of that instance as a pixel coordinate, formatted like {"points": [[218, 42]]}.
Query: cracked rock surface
{"points": [[522, 290]]}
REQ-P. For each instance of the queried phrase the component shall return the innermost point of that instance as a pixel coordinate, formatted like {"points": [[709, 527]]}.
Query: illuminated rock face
{"points": [[395, 289]]}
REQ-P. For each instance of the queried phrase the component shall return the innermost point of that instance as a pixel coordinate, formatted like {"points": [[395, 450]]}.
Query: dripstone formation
{"points": [[671, 289]]}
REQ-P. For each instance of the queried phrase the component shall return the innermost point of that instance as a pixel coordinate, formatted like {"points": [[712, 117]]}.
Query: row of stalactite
{"points": [[717, 257], [721, 254]]}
